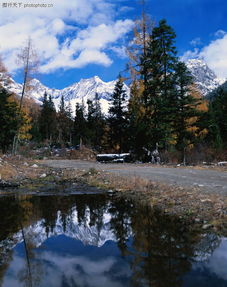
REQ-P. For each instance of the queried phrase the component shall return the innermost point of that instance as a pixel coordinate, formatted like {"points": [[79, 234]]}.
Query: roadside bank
{"points": [[207, 210]]}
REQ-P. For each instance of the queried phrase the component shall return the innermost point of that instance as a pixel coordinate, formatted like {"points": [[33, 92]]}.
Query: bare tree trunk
{"points": [[27, 257], [184, 156], [81, 143]]}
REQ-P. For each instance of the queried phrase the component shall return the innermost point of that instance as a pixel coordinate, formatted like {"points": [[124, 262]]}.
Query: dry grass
{"points": [[7, 171], [188, 203], [83, 153], [184, 202], [16, 168]]}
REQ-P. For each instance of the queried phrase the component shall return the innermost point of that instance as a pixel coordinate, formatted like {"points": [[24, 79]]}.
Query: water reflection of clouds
{"points": [[83, 271], [74, 271], [11, 278], [218, 262]]}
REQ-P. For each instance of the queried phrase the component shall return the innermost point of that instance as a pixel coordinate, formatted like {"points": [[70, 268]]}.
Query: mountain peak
{"points": [[200, 62], [205, 78], [96, 78], [85, 89], [196, 65]]}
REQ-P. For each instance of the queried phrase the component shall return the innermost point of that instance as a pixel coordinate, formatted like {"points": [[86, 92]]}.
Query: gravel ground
{"points": [[207, 180]]}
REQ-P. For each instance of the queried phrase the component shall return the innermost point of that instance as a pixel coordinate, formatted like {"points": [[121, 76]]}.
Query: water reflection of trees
{"points": [[161, 247], [18, 213]]}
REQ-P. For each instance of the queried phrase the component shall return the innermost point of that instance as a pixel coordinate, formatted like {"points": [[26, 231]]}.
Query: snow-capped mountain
{"points": [[88, 233], [85, 89], [205, 78]]}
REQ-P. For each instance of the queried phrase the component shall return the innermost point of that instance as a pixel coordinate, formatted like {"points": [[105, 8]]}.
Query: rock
{"points": [[25, 163], [43, 175], [207, 226], [34, 165], [206, 200], [6, 184]]}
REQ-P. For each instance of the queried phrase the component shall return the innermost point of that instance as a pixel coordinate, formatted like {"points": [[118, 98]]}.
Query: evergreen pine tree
{"points": [[159, 64], [10, 119], [80, 126], [95, 122], [137, 127], [184, 108], [47, 119], [64, 123], [218, 112], [118, 117], [70, 122]]}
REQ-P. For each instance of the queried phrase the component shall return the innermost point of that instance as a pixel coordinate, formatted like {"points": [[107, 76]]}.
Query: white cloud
{"points": [[191, 54], [216, 263], [88, 47], [72, 270], [125, 9], [214, 54], [71, 34], [196, 42], [120, 51], [220, 33]]}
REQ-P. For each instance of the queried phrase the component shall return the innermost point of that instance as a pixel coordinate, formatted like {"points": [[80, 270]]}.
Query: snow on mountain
{"points": [[85, 89], [204, 77], [9, 84], [82, 91], [38, 89], [87, 233]]}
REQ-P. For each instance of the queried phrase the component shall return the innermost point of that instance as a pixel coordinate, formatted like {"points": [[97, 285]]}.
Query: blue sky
{"points": [[79, 39]]}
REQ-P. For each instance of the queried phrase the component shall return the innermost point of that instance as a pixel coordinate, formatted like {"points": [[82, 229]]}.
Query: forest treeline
{"points": [[164, 110]]}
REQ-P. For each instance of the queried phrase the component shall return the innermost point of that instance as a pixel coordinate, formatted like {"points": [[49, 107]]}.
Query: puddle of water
{"points": [[92, 240]]}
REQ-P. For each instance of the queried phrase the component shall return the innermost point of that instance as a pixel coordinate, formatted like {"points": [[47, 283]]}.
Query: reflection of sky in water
{"points": [[218, 262], [211, 272], [67, 262], [80, 242]]}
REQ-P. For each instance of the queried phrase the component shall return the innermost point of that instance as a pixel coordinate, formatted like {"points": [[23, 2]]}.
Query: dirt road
{"points": [[207, 180]]}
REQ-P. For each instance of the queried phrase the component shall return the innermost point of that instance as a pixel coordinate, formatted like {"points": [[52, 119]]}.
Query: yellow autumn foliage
{"points": [[202, 107], [26, 120], [25, 128]]}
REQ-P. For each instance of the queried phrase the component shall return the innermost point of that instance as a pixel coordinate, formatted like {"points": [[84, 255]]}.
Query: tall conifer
{"points": [[159, 63], [47, 120], [118, 117], [10, 119]]}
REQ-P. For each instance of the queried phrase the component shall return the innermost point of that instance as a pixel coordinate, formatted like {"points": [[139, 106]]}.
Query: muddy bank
{"points": [[207, 180], [207, 210]]}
